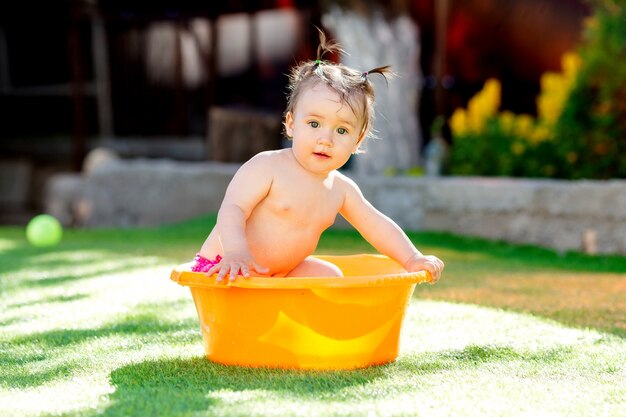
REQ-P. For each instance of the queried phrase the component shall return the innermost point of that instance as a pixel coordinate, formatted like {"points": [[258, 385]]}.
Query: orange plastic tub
{"points": [[305, 323]]}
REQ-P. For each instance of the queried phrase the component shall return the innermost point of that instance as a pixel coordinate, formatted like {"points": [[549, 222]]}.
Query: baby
{"points": [[279, 202]]}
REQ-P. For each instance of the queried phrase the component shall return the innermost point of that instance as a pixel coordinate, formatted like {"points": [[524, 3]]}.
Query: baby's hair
{"points": [[352, 86]]}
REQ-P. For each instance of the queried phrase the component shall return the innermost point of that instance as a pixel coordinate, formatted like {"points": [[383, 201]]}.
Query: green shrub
{"points": [[580, 128], [592, 127]]}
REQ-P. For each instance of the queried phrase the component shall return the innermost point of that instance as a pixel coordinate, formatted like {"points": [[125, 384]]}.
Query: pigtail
{"points": [[384, 71], [325, 46]]}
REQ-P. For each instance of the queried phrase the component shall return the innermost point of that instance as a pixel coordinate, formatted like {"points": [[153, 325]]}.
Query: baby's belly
{"points": [[281, 250]]}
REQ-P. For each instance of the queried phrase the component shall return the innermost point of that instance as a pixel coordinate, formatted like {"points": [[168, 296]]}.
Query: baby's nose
{"points": [[325, 138]]}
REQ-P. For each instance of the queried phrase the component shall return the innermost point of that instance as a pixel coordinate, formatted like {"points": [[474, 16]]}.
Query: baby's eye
{"points": [[342, 131], [314, 124]]}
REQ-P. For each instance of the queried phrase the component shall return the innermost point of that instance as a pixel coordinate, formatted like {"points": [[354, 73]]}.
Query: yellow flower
{"points": [[540, 133], [482, 106], [555, 88], [507, 121], [524, 125], [474, 114], [492, 92], [551, 82], [458, 122], [571, 63]]}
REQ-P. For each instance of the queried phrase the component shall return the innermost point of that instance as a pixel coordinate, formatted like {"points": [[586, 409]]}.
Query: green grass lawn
{"points": [[95, 327]]}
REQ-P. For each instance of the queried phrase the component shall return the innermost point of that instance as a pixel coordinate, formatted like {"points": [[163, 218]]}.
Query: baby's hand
{"points": [[429, 263], [235, 264]]}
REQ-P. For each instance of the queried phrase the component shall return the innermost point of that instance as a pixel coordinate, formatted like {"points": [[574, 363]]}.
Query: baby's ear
{"points": [[289, 124], [358, 143]]}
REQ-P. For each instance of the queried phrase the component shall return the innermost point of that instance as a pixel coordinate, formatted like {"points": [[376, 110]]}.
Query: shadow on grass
{"points": [[186, 386], [137, 325], [60, 277], [145, 328], [605, 318], [52, 299], [477, 355], [53, 264], [71, 271]]}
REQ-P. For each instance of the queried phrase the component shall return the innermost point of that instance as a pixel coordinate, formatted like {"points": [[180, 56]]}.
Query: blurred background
{"points": [[206, 81]]}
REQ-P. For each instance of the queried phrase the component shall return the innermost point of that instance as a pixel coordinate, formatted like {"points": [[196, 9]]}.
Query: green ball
{"points": [[44, 230]]}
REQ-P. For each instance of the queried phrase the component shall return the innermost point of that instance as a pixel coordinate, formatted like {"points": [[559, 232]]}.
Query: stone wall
{"points": [[564, 215], [127, 193]]}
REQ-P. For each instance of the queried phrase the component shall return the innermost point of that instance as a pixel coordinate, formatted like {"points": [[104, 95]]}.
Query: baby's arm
{"points": [[384, 234], [248, 187]]}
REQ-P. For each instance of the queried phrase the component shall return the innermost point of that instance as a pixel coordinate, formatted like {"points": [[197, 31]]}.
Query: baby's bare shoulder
{"points": [[268, 158], [344, 182], [266, 161]]}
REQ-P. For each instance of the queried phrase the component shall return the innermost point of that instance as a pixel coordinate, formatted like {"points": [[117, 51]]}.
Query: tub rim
{"points": [[183, 276]]}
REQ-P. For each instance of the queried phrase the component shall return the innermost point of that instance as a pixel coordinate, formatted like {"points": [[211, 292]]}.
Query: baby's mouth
{"points": [[321, 155]]}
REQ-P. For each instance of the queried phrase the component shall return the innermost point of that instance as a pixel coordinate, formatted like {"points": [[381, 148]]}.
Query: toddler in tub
{"points": [[279, 202]]}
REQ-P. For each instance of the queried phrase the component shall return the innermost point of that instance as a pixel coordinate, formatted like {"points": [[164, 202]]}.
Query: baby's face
{"points": [[324, 129]]}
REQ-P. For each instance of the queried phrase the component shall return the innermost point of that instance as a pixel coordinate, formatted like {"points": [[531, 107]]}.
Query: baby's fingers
{"points": [[224, 270], [252, 266], [435, 267], [212, 270], [235, 269], [432, 271], [260, 269], [245, 271]]}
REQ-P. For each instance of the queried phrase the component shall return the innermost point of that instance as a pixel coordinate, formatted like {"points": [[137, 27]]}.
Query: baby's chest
{"points": [[305, 206]]}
